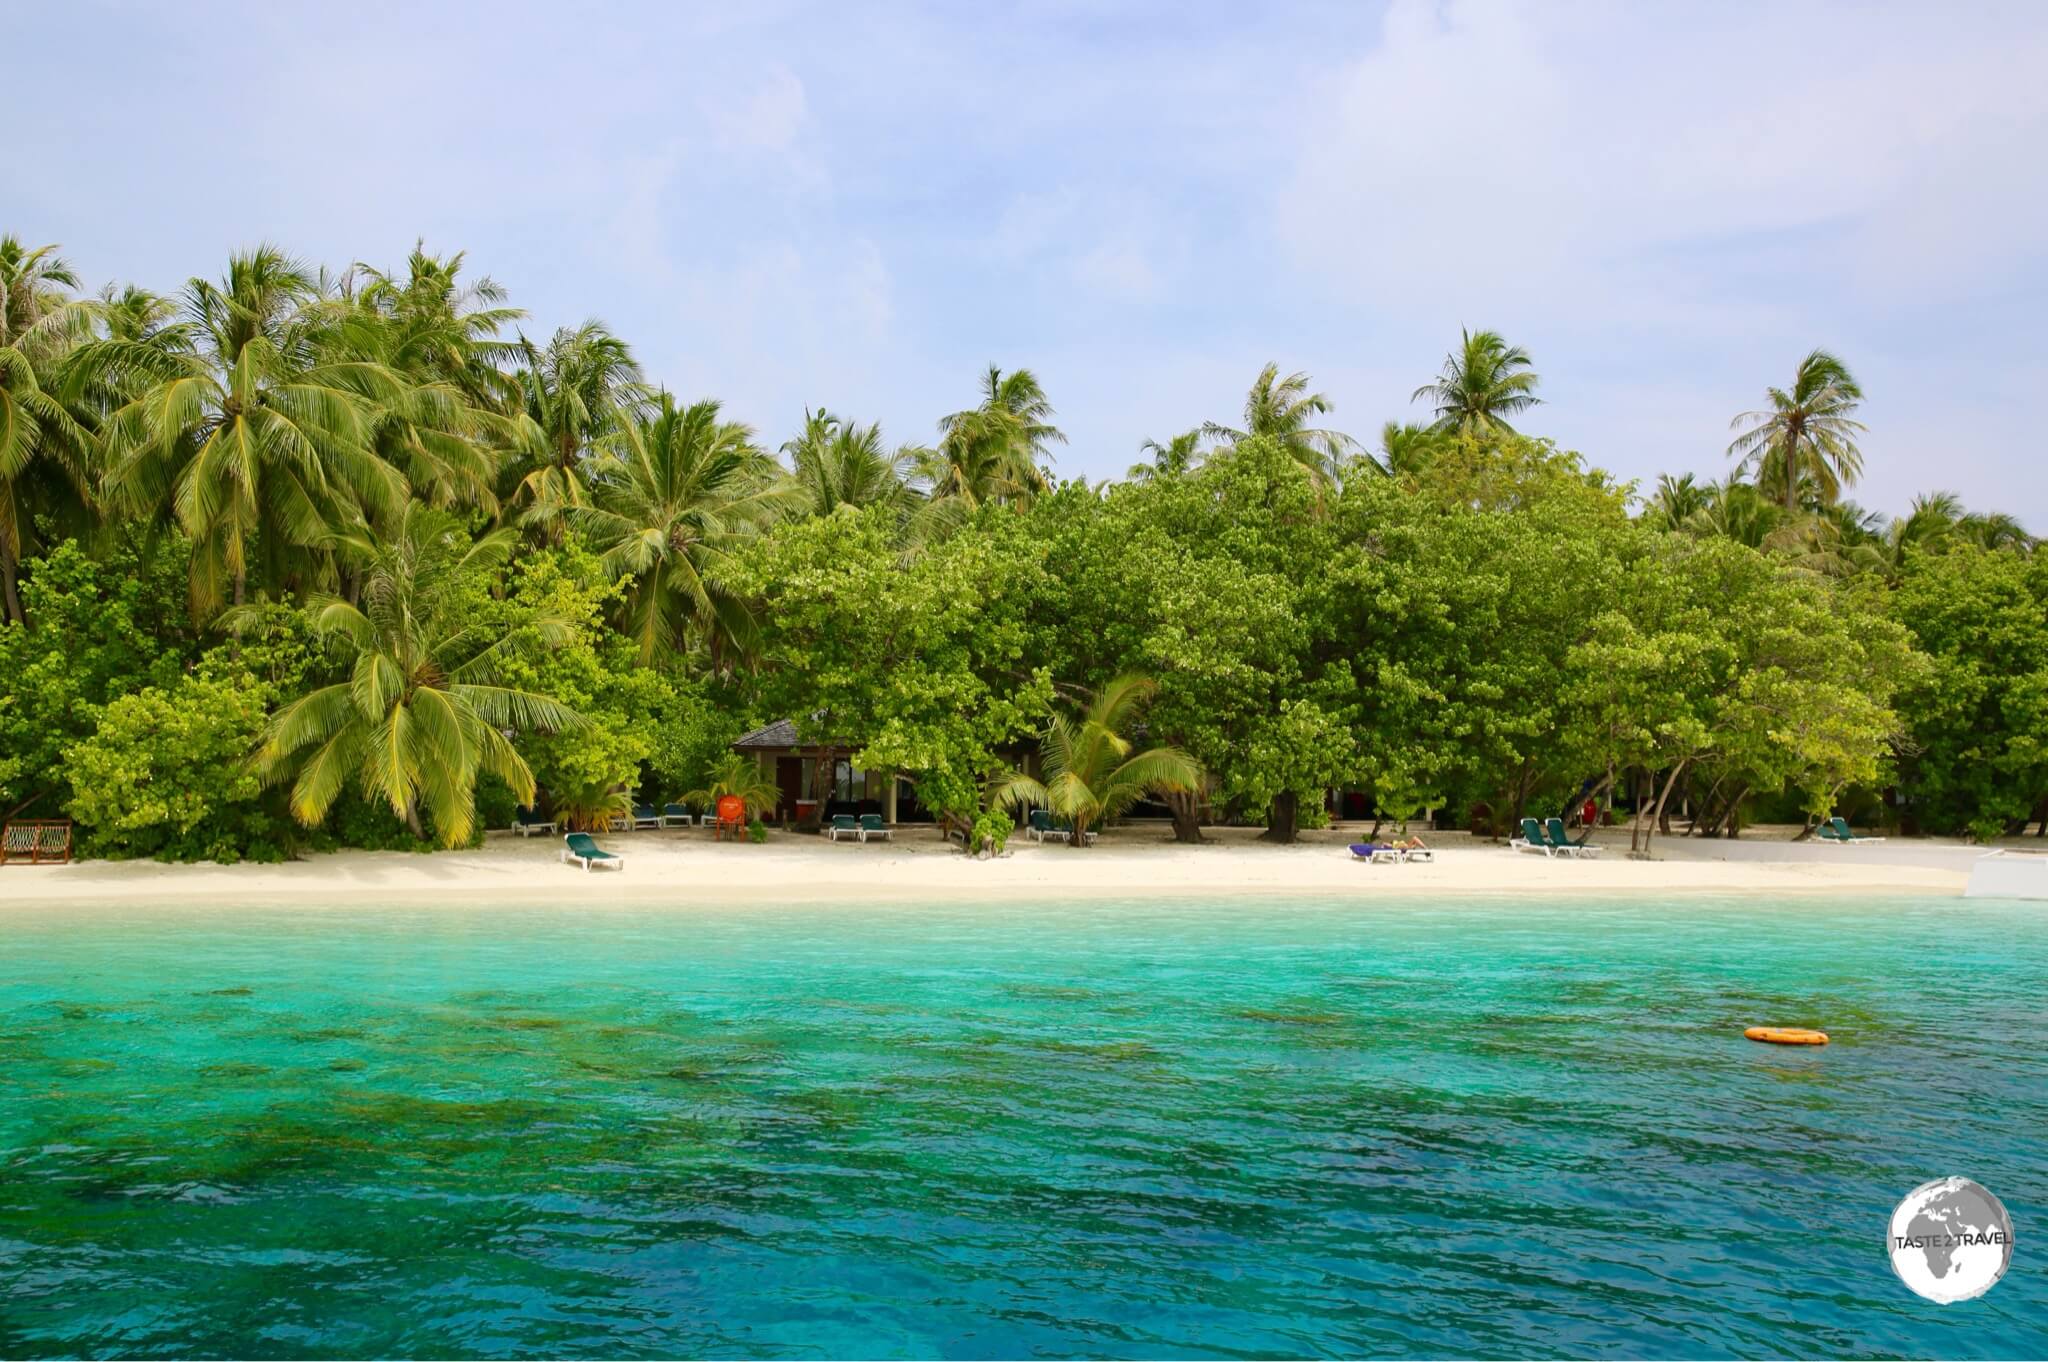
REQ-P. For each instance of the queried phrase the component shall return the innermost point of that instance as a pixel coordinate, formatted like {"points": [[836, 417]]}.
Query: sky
{"points": [[861, 207]]}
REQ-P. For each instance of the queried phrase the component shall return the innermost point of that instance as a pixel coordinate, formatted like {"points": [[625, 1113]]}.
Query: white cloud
{"points": [[1502, 155]]}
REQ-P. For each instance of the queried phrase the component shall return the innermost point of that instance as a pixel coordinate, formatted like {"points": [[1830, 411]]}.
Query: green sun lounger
{"points": [[844, 825], [578, 848], [1562, 843], [527, 822], [1531, 838], [871, 825], [1837, 829], [676, 816]]}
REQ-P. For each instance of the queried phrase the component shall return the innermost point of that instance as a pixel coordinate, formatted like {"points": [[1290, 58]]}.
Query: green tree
{"points": [[670, 502], [105, 626], [993, 452], [836, 462], [166, 773], [1484, 382], [256, 439], [926, 667], [1976, 759], [1094, 770], [422, 712], [1807, 436], [1281, 409], [45, 453], [583, 388], [1179, 455]]}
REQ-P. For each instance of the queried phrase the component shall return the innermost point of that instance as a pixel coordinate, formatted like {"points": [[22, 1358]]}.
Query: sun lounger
{"points": [[578, 848], [1377, 851], [675, 816], [526, 822], [871, 825], [1531, 838], [1039, 828], [644, 816], [844, 825], [1837, 829], [1565, 845]]}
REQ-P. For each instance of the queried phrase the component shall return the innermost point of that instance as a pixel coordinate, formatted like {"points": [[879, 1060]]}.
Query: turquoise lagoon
{"points": [[1220, 1128]]}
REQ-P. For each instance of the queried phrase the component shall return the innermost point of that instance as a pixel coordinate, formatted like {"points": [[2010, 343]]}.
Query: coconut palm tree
{"points": [[456, 418], [1677, 501], [995, 451], [1280, 409], [1177, 456], [673, 496], [45, 451], [1093, 769], [838, 463], [1407, 450], [424, 710], [583, 388], [253, 437], [1484, 382], [1807, 437]]}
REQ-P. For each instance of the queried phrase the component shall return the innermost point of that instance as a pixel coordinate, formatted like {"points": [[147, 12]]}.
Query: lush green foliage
{"points": [[355, 534]]}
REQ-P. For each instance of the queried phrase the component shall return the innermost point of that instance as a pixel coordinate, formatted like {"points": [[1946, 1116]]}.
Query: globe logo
{"points": [[1950, 1240]]}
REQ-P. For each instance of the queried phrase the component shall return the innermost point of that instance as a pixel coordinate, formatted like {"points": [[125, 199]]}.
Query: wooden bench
{"points": [[36, 841]]}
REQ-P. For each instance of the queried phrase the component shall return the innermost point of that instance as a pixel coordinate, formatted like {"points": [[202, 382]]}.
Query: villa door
{"points": [[789, 780]]}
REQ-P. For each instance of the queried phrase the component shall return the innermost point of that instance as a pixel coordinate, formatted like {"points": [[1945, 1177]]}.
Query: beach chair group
{"points": [[861, 829], [1392, 853], [1837, 829], [1550, 839], [1041, 826]]}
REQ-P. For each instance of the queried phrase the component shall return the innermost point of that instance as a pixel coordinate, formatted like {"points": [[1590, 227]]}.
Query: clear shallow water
{"points": [[1479, 1128]]}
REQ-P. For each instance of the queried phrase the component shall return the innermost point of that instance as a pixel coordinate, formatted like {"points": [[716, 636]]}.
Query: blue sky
{"points": [[861, 206]]}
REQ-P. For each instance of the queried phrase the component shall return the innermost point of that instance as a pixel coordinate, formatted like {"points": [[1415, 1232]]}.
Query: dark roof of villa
{"points": [[781, 733], [782, 736]]}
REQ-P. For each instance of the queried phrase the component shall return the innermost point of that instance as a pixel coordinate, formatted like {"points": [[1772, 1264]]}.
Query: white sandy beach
{"points": [[686, 866]]}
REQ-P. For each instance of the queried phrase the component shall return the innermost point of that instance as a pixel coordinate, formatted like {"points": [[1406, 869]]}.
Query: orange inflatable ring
{"points": [[1786, 1035]]}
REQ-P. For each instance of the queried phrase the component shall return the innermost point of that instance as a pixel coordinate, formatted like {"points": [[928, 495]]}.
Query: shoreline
{"points": [[685, 868]]}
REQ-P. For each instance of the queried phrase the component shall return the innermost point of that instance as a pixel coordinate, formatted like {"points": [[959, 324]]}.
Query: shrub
{"points": [[166, 773]]}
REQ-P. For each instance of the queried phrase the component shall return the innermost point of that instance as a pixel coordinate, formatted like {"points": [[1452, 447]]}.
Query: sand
{"points": [[686, 866]]}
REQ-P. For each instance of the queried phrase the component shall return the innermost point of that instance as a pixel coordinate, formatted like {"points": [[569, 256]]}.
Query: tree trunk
{"points": [[1078, 838], [1187, 824], [1281, 819], [1657, 812], [15, 614], [412, 810]]}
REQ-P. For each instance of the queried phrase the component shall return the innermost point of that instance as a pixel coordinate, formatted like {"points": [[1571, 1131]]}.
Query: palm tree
{"points": [[424, 710], [673, 496], [1280, 409], [457, 416], [1677, 501], [995, 451], [1092, 773], [254, 436], [45, 452], [1807, 436], [1177, 456], [1484, 382], [838, 463], [740, 778], [584, 387], [1407, 450]]}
